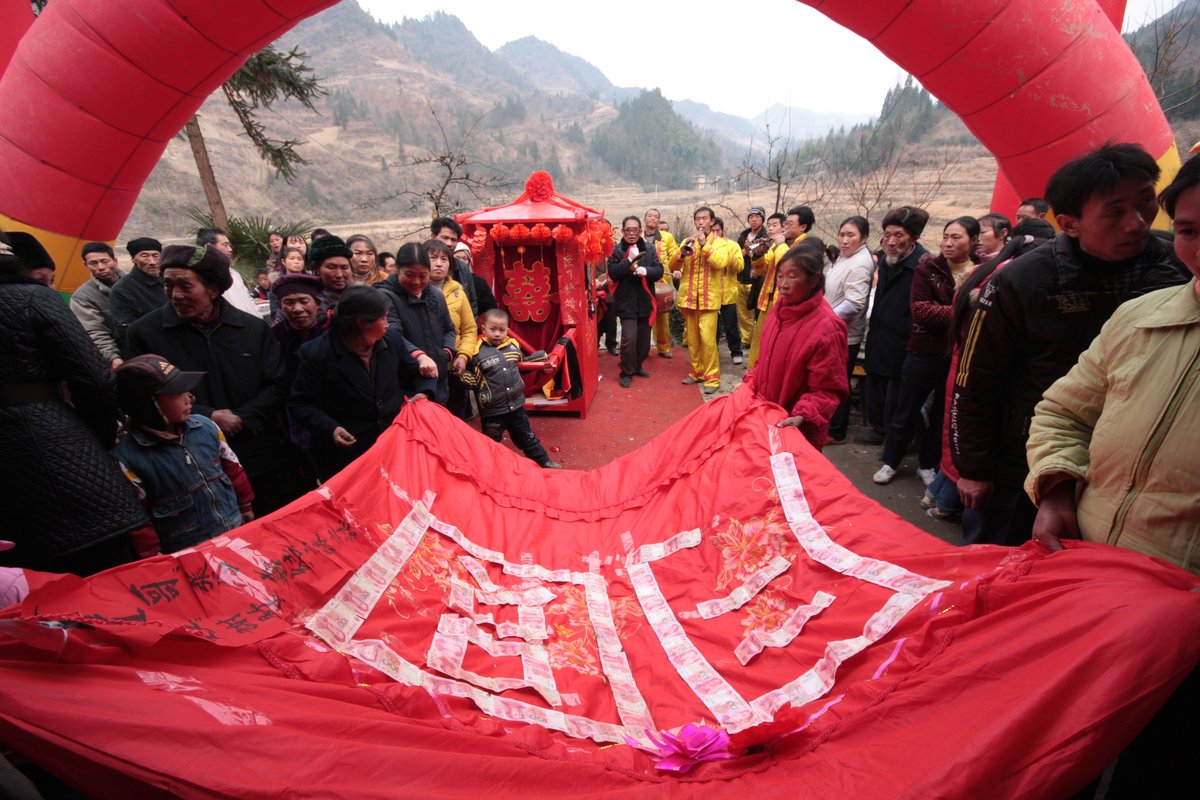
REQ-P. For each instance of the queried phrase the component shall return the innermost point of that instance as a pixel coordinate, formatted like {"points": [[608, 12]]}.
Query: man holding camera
{"points": [[762, 269], [699, 265], [754, 243]]}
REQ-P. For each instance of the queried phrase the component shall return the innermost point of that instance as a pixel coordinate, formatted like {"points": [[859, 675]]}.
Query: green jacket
{"points": [[1123, 422]]}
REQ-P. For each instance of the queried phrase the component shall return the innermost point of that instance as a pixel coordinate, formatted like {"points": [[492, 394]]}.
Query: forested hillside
{"points": [[650, 144]]}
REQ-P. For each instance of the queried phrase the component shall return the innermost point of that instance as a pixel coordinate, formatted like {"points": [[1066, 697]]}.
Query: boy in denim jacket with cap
{"points": [[186, 475]]}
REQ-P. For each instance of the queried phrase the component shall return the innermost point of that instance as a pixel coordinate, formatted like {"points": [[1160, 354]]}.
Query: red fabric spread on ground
{"points": [[878, 661]]}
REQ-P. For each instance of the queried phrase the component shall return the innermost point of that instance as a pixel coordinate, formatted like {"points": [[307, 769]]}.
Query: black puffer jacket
{"points": [[1035, 317], [631, 300], [493, 373], [59, 489]]}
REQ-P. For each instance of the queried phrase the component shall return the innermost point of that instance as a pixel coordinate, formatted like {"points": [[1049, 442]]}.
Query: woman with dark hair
{"points": [[364, 266], [291, 261], [292, 242], [67, 507], [275, 245], [457, 302], [848, 289], [298, 241], [993, 233], [927, 360], [351, 383], [801, 364], [420, 314]]}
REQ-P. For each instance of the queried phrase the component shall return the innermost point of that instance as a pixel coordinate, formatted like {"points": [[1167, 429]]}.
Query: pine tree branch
{"points": [[268, 77]]}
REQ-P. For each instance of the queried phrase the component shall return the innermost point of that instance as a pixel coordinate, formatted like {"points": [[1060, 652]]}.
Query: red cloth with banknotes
{"points": [[443, 618]]}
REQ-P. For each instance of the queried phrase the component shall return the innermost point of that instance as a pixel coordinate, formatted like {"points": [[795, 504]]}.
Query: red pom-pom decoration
{"points": [[594, 240], [562, 234], [519, 233], [501, 232], [540, 186]]}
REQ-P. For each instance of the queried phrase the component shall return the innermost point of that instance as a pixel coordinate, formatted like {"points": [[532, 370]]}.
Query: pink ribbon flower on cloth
{"points": [[679, 752]]}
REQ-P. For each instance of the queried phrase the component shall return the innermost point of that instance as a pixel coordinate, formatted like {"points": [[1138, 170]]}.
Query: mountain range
{"points": [[540, 64], [398, 97]]}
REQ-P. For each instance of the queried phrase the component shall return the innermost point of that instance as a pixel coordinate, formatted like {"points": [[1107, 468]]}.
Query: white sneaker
{"points": [[884, 475], [927, 476], [737, 359], [927, 501]]}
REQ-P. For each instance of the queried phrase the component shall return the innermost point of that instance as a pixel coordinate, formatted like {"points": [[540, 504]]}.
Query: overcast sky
{"points": [[705, 66]]}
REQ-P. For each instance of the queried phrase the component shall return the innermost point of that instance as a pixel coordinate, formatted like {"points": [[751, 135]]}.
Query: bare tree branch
{"points": [[1159, 50], [446, 171]]}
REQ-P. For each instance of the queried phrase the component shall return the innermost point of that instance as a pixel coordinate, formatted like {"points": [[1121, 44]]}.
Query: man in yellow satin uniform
{"points": [[701, 265]]}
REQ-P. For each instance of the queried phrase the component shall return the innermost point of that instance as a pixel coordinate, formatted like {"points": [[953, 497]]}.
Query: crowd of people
{"points": [[161, 408], [165, 406]]}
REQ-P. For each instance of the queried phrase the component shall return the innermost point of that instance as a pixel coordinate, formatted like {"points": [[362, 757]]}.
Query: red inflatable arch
{"points": [[1036, 82], [87, 108], [94, 91]]}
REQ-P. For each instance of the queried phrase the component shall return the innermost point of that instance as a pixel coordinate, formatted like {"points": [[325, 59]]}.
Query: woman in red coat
{"points": [[802, 363]]}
